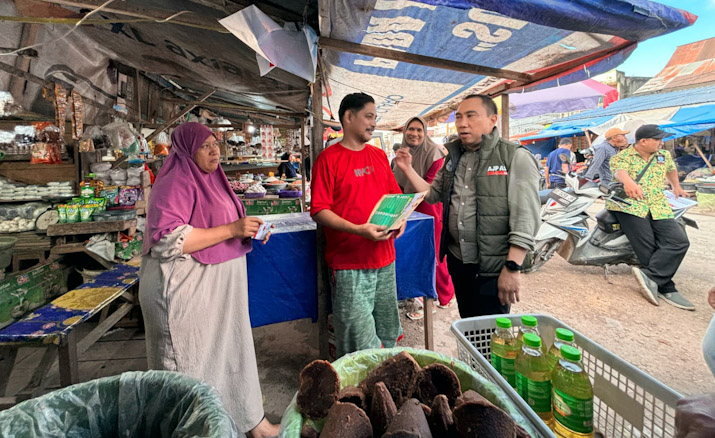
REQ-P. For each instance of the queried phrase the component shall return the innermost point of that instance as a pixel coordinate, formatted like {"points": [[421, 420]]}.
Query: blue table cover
{"points": [[283, 274]]}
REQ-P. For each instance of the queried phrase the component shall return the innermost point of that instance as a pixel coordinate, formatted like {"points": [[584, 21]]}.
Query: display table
{"points": [[282, 275]]}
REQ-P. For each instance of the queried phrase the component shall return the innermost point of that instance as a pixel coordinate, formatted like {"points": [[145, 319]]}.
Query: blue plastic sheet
{"points": [[283, 275]]}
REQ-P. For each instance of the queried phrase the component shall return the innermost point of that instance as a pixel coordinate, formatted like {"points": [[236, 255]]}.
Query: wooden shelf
{"points": [[91, 228]]}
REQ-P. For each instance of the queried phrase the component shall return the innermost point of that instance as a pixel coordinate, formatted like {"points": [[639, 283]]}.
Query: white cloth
{"points": [[197, 323]]}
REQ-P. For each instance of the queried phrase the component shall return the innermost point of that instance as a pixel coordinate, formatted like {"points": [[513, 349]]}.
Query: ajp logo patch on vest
{"points": [[497, 170]]}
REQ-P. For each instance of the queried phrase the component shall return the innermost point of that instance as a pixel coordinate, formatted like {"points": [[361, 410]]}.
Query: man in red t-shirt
{"points": [[349, 178]]}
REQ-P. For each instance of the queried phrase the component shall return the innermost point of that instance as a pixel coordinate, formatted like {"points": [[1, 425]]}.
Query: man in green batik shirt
{"points": [[657, 239]]}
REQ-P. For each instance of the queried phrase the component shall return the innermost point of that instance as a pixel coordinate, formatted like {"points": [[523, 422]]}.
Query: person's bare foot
{"points": [[265, 429]]}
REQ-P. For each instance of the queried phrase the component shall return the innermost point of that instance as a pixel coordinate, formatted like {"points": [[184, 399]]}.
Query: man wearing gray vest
{"points": [[489, 190]]}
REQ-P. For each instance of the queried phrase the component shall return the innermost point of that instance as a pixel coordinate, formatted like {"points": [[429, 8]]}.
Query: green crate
{"points": [[21, 293]]}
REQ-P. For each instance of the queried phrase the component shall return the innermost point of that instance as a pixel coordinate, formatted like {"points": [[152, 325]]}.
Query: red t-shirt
{"points": [[349, 183]]}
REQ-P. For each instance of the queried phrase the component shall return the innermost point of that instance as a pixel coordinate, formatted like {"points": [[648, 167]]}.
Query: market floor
{"points": [[663, 341]]}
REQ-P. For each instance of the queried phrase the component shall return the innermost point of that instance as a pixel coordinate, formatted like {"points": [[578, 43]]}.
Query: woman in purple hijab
{"points": [[193, 290]]}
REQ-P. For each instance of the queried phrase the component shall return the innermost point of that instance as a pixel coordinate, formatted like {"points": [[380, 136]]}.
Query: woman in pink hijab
{"points": [[427, 160], [193, 289]]}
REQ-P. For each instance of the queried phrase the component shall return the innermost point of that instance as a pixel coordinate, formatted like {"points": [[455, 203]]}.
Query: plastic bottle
{"points": [[563, 337], [529, 324], [503, 347], [91, 187], [533, 377], [572, 396]]}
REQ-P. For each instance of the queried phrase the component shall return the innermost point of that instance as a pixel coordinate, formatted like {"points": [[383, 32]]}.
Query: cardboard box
{"points": [[22, 293]]}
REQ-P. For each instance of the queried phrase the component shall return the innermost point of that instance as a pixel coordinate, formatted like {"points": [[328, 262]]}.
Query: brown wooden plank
{"points": [[38, 173], [103, 327], [36, 383], [90, 227], [413, 58], [178, 115]]}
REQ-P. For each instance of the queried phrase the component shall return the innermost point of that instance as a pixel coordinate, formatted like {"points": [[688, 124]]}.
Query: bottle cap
{"points": [[529, 321], [570, 353], [503, 323], [564, 334], [532, 340], [91, 175]]}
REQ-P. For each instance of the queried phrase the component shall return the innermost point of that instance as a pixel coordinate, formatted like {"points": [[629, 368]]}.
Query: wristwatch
{"points": [[512, 266]]}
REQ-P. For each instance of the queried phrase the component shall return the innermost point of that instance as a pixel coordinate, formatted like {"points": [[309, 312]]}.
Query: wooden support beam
{"points": [[427, 307], [413, 58], [28, 37], [103, 327], [121, 8], [32, 78], [226, 105], [69, 374], [176, 117]]}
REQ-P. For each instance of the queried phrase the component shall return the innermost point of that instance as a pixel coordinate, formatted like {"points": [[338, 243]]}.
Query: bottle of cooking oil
{"points": [[572, 396], [529, 324], [563, 337], [533, 377], [503, 347]]}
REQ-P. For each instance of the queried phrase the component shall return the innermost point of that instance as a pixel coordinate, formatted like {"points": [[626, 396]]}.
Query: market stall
{"points": [[282, 275]]}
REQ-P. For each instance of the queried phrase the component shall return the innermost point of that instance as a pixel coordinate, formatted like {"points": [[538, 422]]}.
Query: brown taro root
{"points": [[319, 387], [382, 409], [308, 431], [399, 373], [409, 422], [345, 420], [441, 421], [354, 395], [521, 432], [438, 379], [476, 416]]}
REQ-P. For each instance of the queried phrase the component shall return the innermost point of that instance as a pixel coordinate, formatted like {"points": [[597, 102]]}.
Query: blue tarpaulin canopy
{"points": [[693, 111], [374, 46]]}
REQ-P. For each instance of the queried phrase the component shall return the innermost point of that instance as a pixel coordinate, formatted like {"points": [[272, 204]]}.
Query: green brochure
{"points": [[392, 210]]}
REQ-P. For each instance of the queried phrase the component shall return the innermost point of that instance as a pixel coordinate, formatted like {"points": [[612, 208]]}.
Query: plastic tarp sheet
{"points": [[282, 275], [692, 96], [134, 404], [353, 368], [191, 57], [588, 94], [552, 38]]}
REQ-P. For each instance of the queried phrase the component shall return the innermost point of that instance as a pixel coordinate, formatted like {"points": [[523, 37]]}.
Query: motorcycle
{"points": [[565, 229]]}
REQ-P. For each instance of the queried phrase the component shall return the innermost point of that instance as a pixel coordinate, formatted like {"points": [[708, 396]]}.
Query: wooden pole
{"points": [[429, 61], [710, 166], [505, 116], [316, 146], [178, 115]]}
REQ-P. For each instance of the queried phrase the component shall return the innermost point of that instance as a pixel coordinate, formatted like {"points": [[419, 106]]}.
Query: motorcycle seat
{"points": [[607, 222]]}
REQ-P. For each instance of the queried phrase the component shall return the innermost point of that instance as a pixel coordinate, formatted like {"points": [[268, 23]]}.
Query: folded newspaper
{"points": [[392, 210], [680, 202]]}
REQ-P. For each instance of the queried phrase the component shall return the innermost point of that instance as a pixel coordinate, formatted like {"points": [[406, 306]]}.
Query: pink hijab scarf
{"points": [[184, 194]]}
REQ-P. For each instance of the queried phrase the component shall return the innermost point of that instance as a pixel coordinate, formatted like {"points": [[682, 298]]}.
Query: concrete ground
{"points": [[663, 341]]}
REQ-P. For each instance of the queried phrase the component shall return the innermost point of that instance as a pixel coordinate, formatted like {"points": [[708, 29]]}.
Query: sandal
{"points": [[419, 313], [449, 304]]}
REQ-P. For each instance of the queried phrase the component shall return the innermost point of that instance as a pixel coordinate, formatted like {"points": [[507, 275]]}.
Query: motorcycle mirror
{"points": [[565, 158]]}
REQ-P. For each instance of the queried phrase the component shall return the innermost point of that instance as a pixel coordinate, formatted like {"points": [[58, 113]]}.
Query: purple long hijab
{"points": [[184, 194]]}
